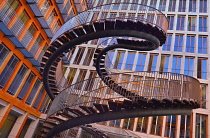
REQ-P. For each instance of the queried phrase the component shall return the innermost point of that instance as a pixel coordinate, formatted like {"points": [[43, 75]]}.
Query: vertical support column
{"points": [[149, 125], [31, 129], [178, 118], [193, 125], [18, 126], [163, 126], [135, 124]]}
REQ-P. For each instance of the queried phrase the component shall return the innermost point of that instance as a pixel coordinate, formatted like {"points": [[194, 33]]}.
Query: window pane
{"points": [[185, 126], [79, 55], [26, 86], [8, 70], [152, 62], [141, 62], [202, 68], [202, 44], [190, 44], [171, 21], [129, 61], [167, 45], [33, 92], [178, 44], [170, 126], [191, 23], [38, 99], [18, 79], [192, 5], [189, 66], [3, 53], [142, 124], [180, 23], [203, 6], [182, 5], [164, 63], [162, 5], [203, 24], [88, 56], [128, 123], [172, 5], [176, 65], [119, 59]]}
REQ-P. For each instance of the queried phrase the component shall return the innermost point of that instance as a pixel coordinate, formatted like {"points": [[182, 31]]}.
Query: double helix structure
{"points": [[108, 96]]}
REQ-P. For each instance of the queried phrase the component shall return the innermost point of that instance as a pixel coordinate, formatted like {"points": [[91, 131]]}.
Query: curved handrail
{"points": [[158, 85], [86, 16]]}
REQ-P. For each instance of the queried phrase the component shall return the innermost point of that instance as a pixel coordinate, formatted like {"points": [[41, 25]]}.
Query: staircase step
{"points": [[75, 111], [88, 28], [101, 107], [79, 31]]}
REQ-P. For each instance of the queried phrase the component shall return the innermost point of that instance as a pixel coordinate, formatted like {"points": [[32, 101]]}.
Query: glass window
{"points": [[119, 59], [192, 5], [172, 5], [178, 43], [80, 79], [170, 126], [79, 55], [203, 24], [171, 21], [45, 104], [191, 23], [156, 125], [190, 44], [38, 99], [162, 5], [7, 126], [176, 65], [26, 86], [185, 126], [153, 3], [124, 6], [115, 123], [88, 56], [33, 91], [164, 63], [39, 39], [189, 66], [167, 45], [32, 29], [152, 62], [128, 123], [141, 62], [134, 6], [89, 84], [129, 61], [8, 70], [142, 124], [203, 92], [109, 58], [3, 53], [201, 126], [202, 44], [202, 68], [182, 5], [24, 17], [14, 4], [18, 79], [71, 75], [203, 6], [180, 22]]}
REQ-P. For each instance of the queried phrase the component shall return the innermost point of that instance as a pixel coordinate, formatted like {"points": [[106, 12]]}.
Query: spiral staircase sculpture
{"points": [[156, 93]]}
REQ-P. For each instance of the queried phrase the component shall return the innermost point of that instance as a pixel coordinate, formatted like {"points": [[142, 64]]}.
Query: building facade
{"points": [[186, 51], [27, 27]]}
